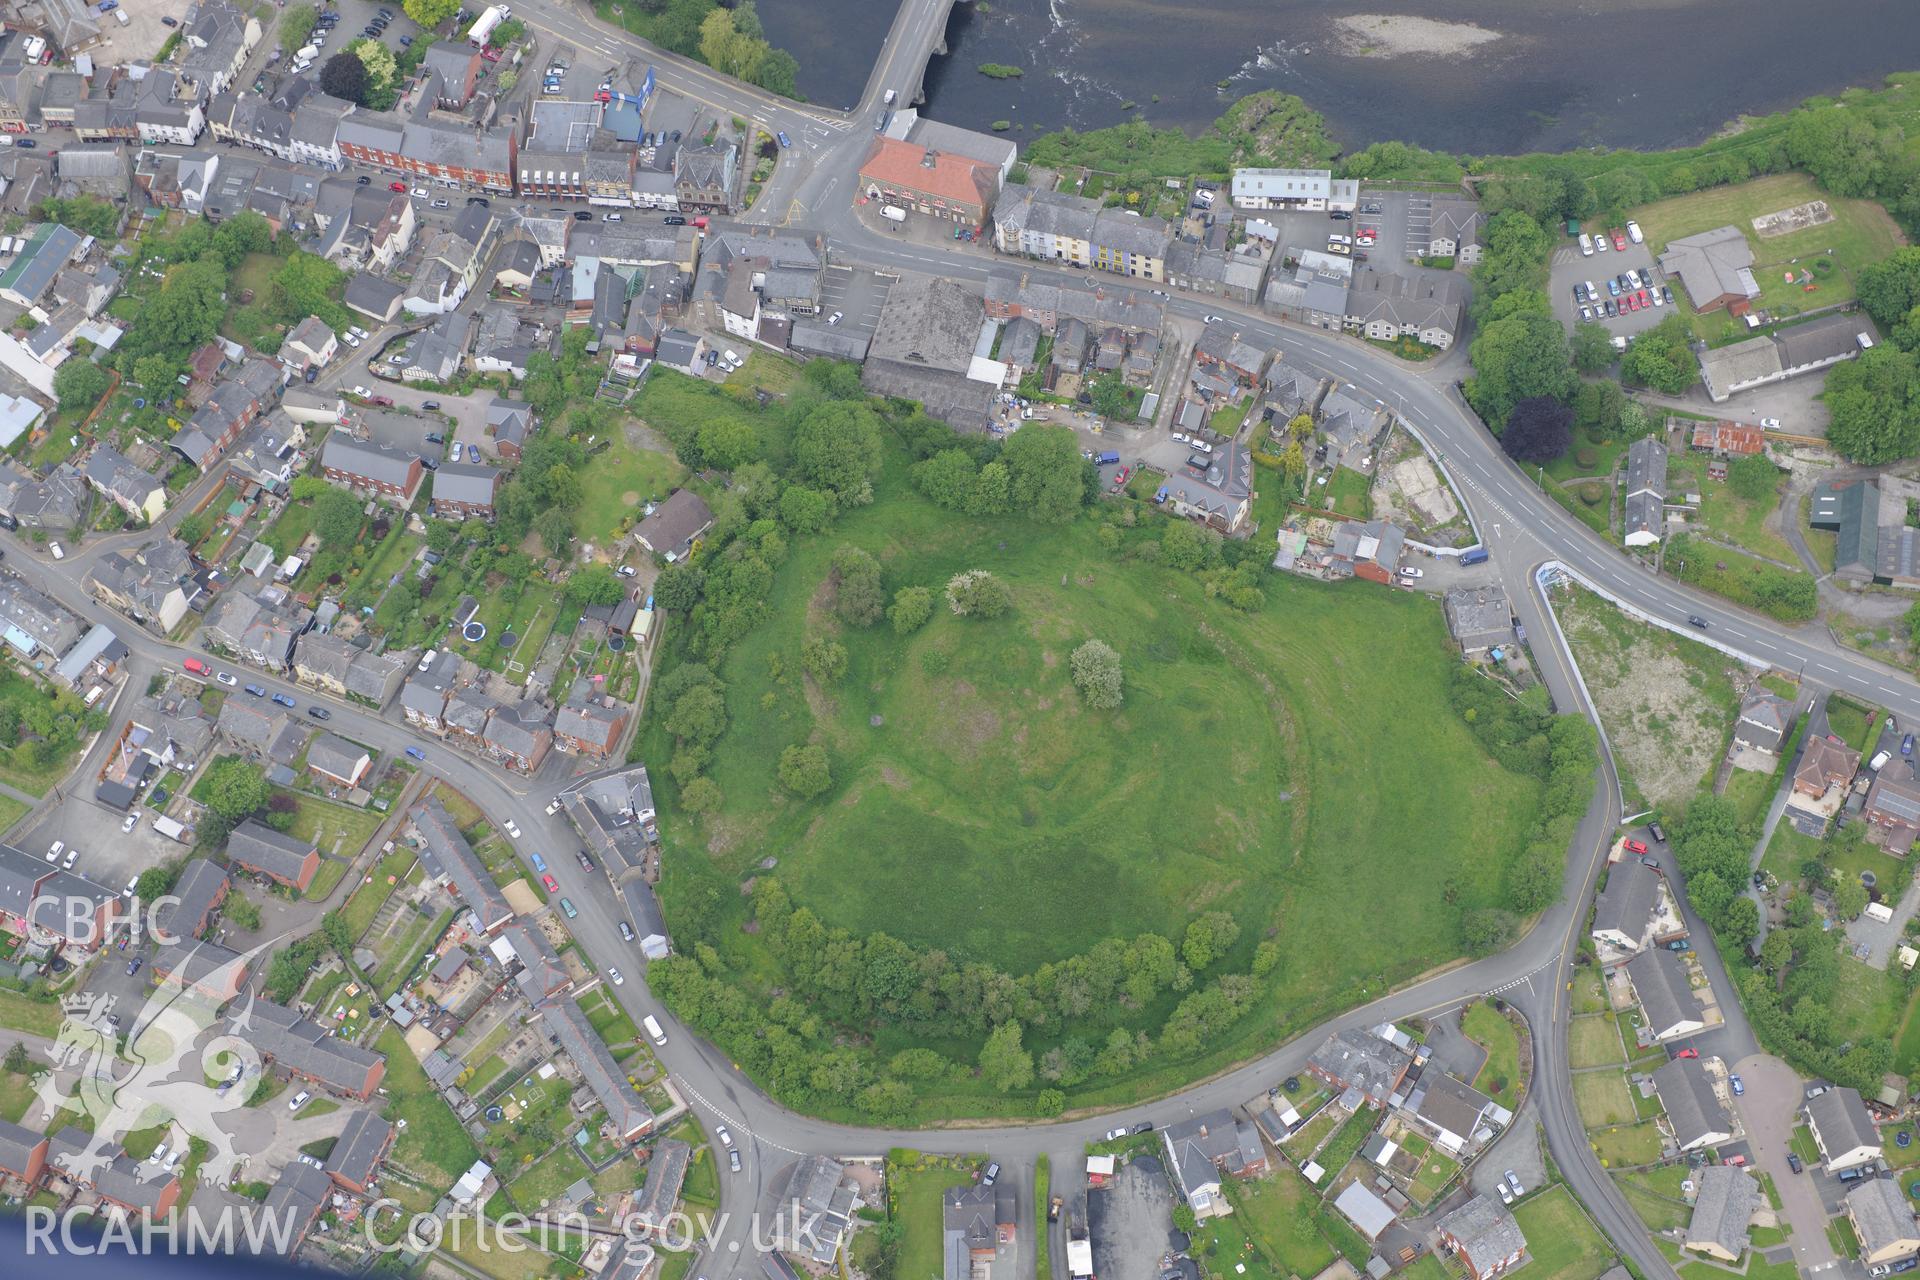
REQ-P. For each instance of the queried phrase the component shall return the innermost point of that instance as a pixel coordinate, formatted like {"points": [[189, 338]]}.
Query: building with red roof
{"points": [[940, 183], [1728, 439]]}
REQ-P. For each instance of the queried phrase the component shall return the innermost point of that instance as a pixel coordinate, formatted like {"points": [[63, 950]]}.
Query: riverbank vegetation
{"points": [[988, 896], [730, 40], [1268, 129]]}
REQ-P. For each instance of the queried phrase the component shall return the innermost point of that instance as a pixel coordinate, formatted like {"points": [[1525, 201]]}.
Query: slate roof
{"points": [[200, 885], [1882, 1214], [296, 1198], [1666, 993], [359, 1147], [1727, 1198], [1694, 1110], [666, 1171], [1357, 1058], [448, 854], [1711, 264], [336, 757], [271, 852], [1458, 1108], [1842, 1122], [17, 1145], [297, 1043], [1485, 1231], [367, 459], [471, 483], [1627, 903], [675, 523], [626, 1111], [542, 975], [1206, 1146]]}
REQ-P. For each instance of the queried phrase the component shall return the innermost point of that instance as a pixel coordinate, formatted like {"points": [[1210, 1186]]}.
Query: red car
{"points": [[195, 667], [1644, 300], [1620, 240], [553, 886], [1634, 846], [1687, 1053], [396, 186], [602, 96], [1120, 477], [385, 402], [490, 54]]}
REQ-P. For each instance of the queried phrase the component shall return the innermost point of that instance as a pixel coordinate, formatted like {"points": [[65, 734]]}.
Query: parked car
{"points": [[553, 886], [1770, 424], [1513, 1180], [133, 966], [298, 1100], [416, 753], [626, 931], [1793, 1162], [733, 1159], [1410, 572], [284, 700], [320, 713], [512, 830], [396, 186], [1688, 1052], [585, 860], [726, 1138], [255, 691], [539, 863], [1657, 831], [785, 142], [1695, 620], [1635, 846], [1114, 1135], [566, 905], [132, 821], [1734, 1083], [992, 1175], [614, 974]]}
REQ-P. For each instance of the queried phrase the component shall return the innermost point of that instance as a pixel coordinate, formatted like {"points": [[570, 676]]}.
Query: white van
{"points": [[1586, 245], [120, 16], [1879, 760], [652, 1024]]}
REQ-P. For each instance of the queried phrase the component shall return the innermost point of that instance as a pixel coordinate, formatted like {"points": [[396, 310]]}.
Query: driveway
{"points": [[1769, 1111]]}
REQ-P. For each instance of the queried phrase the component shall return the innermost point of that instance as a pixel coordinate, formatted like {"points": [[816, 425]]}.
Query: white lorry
{"points": [[483, 25]]}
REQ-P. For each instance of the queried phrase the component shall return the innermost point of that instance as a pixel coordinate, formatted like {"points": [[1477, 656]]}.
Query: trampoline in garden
{"points": [[495, 1115], [474, 632], [1904, 1138]]}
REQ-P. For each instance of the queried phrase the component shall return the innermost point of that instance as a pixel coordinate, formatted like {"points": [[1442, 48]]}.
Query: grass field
{"points": [[916, 1199], [1594, 1042], [993, 771], [1728, 516], [1281, 1214], [1862, 232], [21, 1013], [615, 486], [16, 1093], [1346, 492], [1603, 1098], [1624, 1145], [1655, 1196], [1499, 1076], [1589, 993], [547, 1177], [434, 1139], [335, 828], [1562, 1239], [1851, 722]]}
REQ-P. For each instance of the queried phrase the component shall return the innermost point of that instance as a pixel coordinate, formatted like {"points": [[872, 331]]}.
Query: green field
{"points": [[1626, 1145], [434, 1140], [1729, 516], [916, 1203], [985, 811], [1594, 1042], [1564, 1243], [335, 828], [1861, 232], [1655, 1196], [1281, 1214], [1603, 1098], [1499, 1076]]}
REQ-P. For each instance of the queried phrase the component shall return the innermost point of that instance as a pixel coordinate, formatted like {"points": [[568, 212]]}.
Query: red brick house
{"points": [[260, 849]]}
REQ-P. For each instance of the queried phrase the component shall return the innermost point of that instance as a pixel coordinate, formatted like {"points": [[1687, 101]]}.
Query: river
{"points": [[1545, 75]]}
